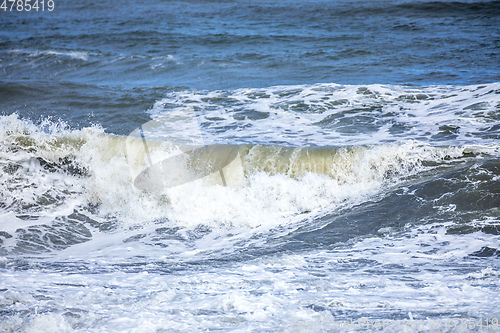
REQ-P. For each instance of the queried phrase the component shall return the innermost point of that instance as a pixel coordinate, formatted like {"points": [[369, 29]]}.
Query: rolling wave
{"points": [[59, 186]]}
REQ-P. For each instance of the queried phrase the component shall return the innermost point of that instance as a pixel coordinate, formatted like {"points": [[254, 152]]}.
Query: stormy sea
{"points": [[250, 166]]}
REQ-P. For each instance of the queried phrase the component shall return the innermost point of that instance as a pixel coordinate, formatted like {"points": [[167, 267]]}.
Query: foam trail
{"points": [[341, 115]]}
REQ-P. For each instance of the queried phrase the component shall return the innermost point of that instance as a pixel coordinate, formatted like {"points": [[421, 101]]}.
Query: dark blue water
{"points": [[88, 62]]}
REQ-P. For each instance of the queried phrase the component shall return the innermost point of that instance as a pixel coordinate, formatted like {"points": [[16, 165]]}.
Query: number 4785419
{"points": [[27, 5]]}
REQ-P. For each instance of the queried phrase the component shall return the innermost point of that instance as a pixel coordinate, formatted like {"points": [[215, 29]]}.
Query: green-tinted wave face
{"points": [[64, 170]]}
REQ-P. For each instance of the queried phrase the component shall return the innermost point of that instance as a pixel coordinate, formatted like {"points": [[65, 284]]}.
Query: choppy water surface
{"points": [[365, 193]]}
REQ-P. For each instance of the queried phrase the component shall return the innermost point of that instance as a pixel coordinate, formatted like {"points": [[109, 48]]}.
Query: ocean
{"points": [[250, 166]]}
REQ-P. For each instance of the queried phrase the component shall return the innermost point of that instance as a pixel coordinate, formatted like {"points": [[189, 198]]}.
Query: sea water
{"points": [[359, 188]]}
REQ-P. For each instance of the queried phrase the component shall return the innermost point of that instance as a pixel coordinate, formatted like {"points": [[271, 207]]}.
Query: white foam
{"points": [[266, 199], [79, 55], [162, 62], [295, 292], [296, 115], [137, 278]]}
